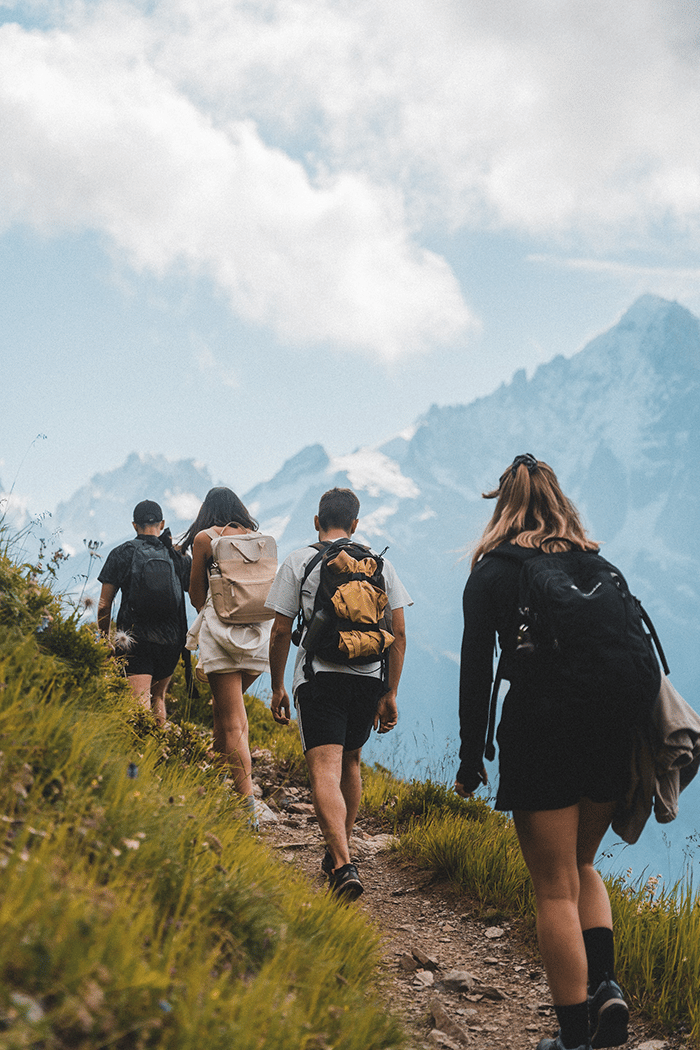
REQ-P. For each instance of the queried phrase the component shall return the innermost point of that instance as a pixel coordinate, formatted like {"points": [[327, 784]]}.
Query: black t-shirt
{"points": [[117, 571]]}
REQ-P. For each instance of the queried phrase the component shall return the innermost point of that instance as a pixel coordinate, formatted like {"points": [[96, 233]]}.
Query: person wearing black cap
{"points": [[151, 622]]}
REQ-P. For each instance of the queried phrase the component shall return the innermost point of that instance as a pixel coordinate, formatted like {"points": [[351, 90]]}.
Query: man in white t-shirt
{"points": [[339, 706]]}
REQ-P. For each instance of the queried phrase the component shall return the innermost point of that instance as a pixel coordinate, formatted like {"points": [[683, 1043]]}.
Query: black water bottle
{"points": [[318, 627]]}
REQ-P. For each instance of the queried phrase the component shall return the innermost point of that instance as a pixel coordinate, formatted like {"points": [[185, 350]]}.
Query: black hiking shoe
{"points": [[609, 1015], [345, 882], [327, 864]]}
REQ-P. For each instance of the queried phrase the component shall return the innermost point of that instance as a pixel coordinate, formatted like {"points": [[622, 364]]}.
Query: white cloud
{"points": [[184, 506], [96, 136], [296, 150], [522, 113], [670, 282], [14, 510], [372, 472]]}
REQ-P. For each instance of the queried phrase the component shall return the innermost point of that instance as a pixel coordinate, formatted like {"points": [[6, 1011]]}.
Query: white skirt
{"points": [[229, 647]]}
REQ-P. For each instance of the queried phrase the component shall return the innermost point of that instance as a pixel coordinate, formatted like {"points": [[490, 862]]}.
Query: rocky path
{"points": [[455, 980]]}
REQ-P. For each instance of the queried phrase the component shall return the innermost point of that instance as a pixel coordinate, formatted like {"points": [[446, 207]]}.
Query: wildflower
{"points": [[123, 640]]}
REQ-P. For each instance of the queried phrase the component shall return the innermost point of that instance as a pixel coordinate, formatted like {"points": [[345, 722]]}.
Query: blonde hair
{"points": [[532, 511]]}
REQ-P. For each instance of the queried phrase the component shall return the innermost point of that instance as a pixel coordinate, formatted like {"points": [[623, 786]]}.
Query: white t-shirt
{"points": [[286, 596]]}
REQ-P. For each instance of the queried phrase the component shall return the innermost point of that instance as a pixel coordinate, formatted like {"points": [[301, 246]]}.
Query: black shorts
{"points": [[553, 754], [337, 708], [153, 658]]}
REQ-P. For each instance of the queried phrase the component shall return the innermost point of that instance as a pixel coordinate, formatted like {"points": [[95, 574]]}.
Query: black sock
{"points": [[600, 953], [573, 1025]]}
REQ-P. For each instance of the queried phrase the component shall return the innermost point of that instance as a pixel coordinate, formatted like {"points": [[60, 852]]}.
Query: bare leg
{"points": [[548, 842], [150, 694], [594, 903], [231, 727], [325, 764], [158, 692], [559, 848], [351, 788], [141, 688]]}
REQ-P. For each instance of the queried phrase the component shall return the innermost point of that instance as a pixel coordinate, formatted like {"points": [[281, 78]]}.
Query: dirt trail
{"points": [[455, 980]]}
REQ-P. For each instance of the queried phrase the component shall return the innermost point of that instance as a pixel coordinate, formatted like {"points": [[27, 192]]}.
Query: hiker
{"points": [[563, 765], [231, 654], [338, 701], [151, 623]]}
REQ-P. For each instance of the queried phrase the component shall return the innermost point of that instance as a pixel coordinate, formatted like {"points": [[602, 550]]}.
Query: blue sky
{"points": [[231, 228]]}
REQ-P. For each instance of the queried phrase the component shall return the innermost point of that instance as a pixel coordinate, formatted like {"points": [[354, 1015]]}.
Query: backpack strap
{"points": [[520, 555], [319, 547], [654, 636]]}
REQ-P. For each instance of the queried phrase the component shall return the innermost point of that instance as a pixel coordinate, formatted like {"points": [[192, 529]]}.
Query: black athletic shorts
{"points": [[553, 754], [153, 658], [337, 708]]}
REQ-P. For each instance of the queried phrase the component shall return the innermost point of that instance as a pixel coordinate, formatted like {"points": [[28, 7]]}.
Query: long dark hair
{"points": [[221, 507], [532, 511]]}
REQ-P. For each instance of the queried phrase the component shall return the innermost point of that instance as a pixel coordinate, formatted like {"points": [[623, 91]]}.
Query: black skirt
{"points": [[553, 753]]}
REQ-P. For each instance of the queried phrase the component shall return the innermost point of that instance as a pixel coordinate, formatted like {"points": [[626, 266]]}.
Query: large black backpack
{"points": [[351, 619], [579, 622], [155, 591]]}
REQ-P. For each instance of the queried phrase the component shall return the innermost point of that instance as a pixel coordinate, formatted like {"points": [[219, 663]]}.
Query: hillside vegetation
{"points": [[137, 910]]}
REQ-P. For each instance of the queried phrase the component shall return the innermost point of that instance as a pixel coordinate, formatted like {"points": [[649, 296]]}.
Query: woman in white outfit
{"points": [[231, 655]]}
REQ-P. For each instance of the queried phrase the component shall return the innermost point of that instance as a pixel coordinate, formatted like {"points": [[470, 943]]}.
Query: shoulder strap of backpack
{"points": [[320, 548], [520, 555], [654, 636], [490, 749]]}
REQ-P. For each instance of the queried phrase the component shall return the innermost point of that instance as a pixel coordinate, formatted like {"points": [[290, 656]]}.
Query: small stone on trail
{"points": [[459, 981], [425, 978], [443, 1040], [426, 961], [494, 932], [489, 992], [445, 1023], [300, 807]]}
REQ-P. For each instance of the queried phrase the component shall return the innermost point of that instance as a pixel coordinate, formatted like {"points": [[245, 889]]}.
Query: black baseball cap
{"points": [[147, 512]]}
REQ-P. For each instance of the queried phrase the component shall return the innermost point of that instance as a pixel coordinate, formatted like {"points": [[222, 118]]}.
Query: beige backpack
{"points": [[241, 575]]}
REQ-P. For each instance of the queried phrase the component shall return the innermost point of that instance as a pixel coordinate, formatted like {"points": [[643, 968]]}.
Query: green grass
{"points": [[136, 910]]}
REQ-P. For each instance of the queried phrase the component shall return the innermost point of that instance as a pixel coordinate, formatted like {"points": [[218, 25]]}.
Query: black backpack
{"points": [[155, 591], [351, 619], [580, 622]]}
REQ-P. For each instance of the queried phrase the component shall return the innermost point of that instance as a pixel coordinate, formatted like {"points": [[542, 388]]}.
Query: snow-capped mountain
{"points": [[102, 509], [620, 424]]}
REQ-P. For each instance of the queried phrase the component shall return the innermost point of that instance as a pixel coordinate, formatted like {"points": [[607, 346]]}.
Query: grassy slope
{"points": [[136, 909]]}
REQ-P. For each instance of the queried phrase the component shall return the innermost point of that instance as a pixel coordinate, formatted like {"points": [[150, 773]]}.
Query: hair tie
{"points": [[528, 460]]}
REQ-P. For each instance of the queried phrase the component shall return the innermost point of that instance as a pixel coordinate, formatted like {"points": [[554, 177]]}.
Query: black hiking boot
{"points": [[609, 1015], [345, 883]]}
